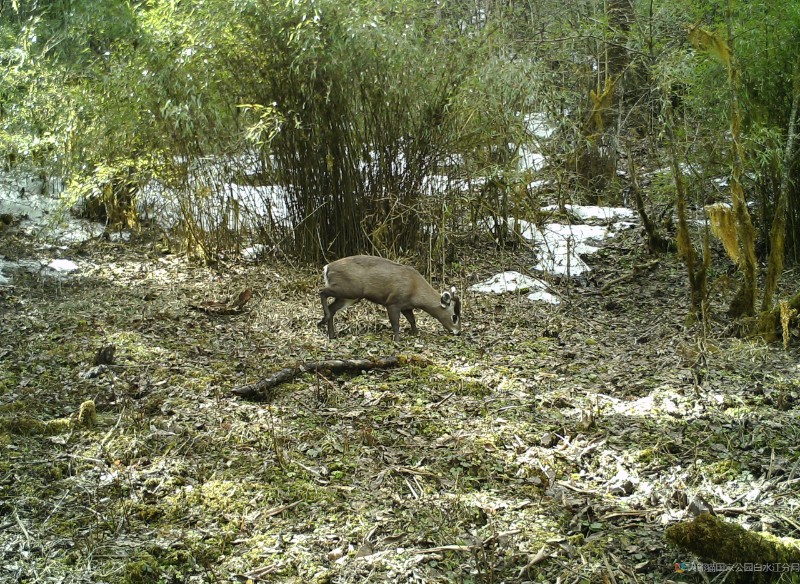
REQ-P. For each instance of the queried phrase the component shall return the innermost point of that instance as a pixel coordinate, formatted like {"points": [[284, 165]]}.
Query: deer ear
{"points": [[453, 291], [446, 298]]}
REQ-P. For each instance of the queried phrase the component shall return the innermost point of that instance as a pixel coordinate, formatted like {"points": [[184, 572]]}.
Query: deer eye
{"points": [[455, 319]]}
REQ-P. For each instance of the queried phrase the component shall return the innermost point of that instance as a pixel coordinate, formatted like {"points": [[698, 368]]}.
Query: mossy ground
{"points": [[545, 443]]}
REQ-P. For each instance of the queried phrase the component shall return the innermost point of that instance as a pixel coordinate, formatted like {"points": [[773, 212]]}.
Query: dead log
{"points": [[262, 390], [727, 543]]}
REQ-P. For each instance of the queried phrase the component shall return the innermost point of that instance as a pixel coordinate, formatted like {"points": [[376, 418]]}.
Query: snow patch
{"points": [[538, 125], [63, 265], [560, 247], [544, 296], [57, 268], [255, 252], [530, 159], [40, 209], [538, 184], [516, 282], [587, 212], [507, 282]]}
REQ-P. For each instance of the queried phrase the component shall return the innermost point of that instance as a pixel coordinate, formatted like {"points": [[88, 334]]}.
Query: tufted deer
{"points": [[399, 288]]}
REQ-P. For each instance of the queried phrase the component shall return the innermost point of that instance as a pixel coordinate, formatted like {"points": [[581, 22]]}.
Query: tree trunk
{"points": [[597, 158], [743, 304], [778, 231], [769, 323], [696, 271], [656, 242], [621, 16]]}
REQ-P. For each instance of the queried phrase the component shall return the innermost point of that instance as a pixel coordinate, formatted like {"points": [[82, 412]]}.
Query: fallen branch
{"points": [[446, 548], [278, 510], [259, 574], [262, 390], [540, 556]]}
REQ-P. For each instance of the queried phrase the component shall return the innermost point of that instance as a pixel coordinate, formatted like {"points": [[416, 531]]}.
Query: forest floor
{"points": [[546, 443]]}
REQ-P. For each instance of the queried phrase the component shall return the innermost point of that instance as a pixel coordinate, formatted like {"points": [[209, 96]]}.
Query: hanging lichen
{"points": [[723, 226], [743, 303], [711, 43], [87, 415], [697, 270]]}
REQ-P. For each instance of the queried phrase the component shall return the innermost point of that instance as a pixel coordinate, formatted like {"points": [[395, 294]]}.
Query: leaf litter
{"points": [[546, 443]]}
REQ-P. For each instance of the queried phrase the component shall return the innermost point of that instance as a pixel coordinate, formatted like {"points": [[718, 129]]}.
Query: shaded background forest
{"points": [[324, 128]]}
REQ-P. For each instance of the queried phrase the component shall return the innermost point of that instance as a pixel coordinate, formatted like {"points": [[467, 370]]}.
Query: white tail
{"points": [[399, 288]]}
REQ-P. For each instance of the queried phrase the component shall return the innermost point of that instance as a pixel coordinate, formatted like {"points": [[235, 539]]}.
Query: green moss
{"points": [[143, 569], [739, 411], [54, 472], [146, 513], [577, 539], [25, 426], [218, 496], [225, 501], [261, 546], [58, 426], [13, 407], [442, 379], [87, 415], [191, 555], [136, 347], [646, 456], [722, 471]]}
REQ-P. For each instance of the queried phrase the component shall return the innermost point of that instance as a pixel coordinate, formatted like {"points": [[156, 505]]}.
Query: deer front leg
{"points": [[409, 314], [394, 319]]}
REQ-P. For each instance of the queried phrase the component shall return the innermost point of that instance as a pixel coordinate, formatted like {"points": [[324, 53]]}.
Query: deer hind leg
{"points": [[326, 313], [330, 310]]}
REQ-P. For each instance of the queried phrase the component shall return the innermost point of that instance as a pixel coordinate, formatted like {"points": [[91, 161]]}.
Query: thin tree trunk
{"points": [[621, 17], [778, 232], [743, 304], [656, 242], [696, 271]]}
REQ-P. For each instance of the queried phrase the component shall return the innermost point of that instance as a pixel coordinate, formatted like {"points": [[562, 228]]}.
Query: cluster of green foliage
{"points": [[349, 108]]}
